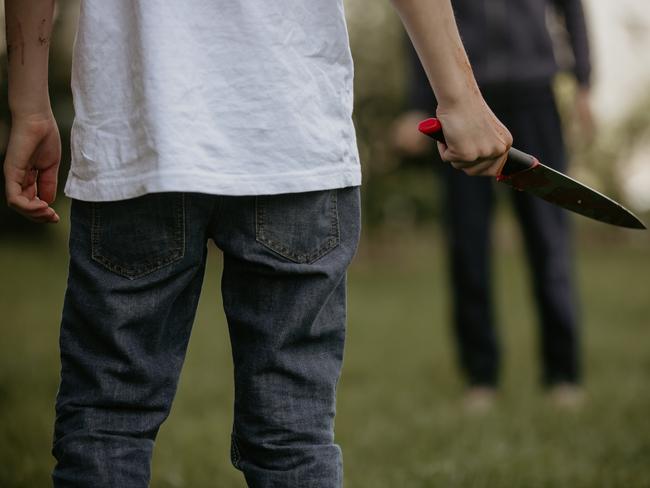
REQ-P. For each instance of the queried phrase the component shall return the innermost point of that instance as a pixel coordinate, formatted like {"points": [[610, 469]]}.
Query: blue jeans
{"points": [[136, 269]]}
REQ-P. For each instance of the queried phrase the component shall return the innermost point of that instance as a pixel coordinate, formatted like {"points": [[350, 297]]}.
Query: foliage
{"points": [[398, 192]]}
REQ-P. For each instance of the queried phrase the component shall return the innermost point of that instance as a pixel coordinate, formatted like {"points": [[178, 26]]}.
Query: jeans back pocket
{"points": [[301, 227], [138, 236]]}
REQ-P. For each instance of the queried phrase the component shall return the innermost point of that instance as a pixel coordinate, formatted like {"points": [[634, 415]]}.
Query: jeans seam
{"points": [[235, 454], [334, 216]]}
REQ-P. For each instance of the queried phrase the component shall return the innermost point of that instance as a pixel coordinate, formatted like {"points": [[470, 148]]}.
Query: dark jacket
{"points": [[508, 42]]}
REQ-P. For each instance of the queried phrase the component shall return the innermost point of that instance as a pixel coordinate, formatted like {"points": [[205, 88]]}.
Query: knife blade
{"points": [[525, 173]]}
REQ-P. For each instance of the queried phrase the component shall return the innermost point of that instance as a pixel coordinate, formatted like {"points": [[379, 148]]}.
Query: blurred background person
{"points": [[511, 50]]}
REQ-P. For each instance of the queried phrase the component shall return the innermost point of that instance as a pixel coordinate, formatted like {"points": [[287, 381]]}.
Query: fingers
{"points": [[34, 209], [477, 142], [474, 164], [24, 200], [489, 167], [29, 191], [47, 182], [404, 139], [47, 216], [31, 166]]}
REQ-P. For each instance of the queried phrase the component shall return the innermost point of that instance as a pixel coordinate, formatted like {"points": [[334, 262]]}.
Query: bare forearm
{"points": [[432, 29], [29, 26], [476, 141]]}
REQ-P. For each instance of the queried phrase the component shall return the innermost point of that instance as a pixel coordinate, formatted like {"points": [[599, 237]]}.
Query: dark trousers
{"points": [[529, 111]]}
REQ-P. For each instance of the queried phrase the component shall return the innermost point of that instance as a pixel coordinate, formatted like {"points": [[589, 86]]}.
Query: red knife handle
{"points": [[517, 160]]}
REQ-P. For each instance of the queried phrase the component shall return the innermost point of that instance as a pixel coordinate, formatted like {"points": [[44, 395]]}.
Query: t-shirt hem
{"points": [[101, 188]]}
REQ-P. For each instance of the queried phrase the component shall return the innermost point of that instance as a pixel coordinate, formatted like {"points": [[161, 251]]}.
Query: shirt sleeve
{"points": [[574, 19]]}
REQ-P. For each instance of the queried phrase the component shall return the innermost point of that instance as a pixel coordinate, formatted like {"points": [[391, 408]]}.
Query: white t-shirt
{"points": [[229, 97]]}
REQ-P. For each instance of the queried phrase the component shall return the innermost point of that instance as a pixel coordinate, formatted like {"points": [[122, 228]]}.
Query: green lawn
{"points": [[399, 418]]}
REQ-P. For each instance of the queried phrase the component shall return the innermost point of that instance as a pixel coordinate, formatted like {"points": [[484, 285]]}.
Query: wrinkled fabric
{"points": [[213, 96]]}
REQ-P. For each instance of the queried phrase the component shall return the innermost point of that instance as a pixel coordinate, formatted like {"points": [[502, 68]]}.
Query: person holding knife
{"points": [[511, 50]]}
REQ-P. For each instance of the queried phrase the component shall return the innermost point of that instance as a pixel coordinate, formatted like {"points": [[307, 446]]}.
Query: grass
{"points": [[399, 421]]}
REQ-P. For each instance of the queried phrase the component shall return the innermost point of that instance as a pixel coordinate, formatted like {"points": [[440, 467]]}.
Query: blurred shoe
{"points": [[566, 396], [479, 399]]}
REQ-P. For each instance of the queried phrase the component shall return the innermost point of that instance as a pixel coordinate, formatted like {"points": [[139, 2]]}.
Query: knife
{"points": [[524, 172]]}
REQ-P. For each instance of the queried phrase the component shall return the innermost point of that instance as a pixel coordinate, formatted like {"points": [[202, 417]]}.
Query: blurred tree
{"points": [[394, 196]]}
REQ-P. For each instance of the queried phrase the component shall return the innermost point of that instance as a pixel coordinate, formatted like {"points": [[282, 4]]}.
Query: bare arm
{"points": [[476, 141], [34, 149]]}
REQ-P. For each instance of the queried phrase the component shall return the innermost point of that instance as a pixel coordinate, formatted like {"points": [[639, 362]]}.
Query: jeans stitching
{"points": [[235, 455], [180, 224], [331, 241], [137, 271], [336, 229], [94, 230]]}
